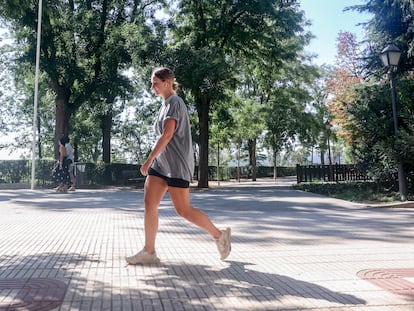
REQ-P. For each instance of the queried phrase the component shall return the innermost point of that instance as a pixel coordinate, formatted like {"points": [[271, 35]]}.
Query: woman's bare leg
{"points": [[181, 200], [154, 191]]}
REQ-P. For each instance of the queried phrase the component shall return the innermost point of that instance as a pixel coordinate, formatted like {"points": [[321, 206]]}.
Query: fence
{"points": [[246, 172], [90, 175], [336, 173]]}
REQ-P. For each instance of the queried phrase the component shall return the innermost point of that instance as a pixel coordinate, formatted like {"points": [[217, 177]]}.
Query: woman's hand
{"points": [[145, 167]]}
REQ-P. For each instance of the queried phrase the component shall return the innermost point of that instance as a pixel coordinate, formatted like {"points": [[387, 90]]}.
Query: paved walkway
{"points": [[291, 251]]}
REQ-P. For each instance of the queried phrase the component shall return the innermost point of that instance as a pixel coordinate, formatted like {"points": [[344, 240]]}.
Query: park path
{"points": [[291, 250]]}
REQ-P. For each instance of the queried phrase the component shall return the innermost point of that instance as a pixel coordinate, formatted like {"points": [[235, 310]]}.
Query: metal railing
{"points": [[334, 173]]}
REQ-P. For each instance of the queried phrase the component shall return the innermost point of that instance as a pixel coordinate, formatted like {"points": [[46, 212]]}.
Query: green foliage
{"points": [[316, 134], [373, 129], [86, 47], [212, 43], [222, 125], [240, 64], [391, 22], [286, 113], [135, 133], [367, 112], [12, 172]]}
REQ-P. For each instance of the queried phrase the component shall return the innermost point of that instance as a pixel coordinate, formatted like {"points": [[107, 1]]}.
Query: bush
{"points": [[352, 191]]}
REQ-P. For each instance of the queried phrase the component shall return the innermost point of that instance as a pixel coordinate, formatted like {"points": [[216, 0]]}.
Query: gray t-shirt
{"points": [[69, 151], [177, 159]]}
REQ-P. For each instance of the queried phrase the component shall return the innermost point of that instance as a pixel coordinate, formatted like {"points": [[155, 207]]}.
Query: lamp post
{"points": [[36, 92], [390, 57], [328, 126]]}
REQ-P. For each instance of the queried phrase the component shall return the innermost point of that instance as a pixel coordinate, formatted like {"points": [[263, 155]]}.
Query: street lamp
{"points": [[390, 57]]}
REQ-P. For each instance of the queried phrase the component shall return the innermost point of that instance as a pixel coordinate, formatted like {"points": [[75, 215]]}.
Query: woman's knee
{"points": [[184, 211]]}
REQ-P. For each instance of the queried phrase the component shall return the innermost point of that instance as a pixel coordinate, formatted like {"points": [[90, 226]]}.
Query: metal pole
{"points": [[329, 148], [39, 30], [401, 176]]}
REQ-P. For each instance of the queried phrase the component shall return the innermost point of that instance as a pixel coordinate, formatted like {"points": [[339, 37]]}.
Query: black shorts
{"points": [[171, 182]]}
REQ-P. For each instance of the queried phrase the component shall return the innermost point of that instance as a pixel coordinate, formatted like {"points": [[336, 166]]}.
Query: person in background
{"points": [[61, 174], [170, 167]]}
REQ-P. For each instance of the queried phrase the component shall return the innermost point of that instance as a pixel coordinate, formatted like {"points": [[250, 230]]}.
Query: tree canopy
{"points": [[210, 41], [242, 68], [85, 48]]}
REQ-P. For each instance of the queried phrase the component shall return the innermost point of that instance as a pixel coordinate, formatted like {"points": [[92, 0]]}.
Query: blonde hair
{"points": [[164, 73]]}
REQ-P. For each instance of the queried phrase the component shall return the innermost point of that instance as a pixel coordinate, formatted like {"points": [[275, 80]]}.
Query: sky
{"points": [[328, 19]]}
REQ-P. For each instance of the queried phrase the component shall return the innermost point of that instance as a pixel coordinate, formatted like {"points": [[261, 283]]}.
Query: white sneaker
{"points": [[143, 258], [224, 243]]}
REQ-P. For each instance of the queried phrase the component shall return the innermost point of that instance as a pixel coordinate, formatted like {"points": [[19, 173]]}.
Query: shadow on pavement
{"points": [[269, 213], [151, 284], [238, 280]]}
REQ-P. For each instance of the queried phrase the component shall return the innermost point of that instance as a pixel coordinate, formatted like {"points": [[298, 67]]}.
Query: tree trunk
{"points": [[62, 117], [252, 157], [254, 160], [106, 124], [238, 161], [75, 151], [218, 164], [274, 164], [203, 107]]}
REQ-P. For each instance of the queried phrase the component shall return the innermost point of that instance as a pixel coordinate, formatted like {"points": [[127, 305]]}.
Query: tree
{"points": [[373, 132], [135, 132], [346, 76], [211, 39], [391, 22], [221, 132], [318, 106], [287, 115], [16, 98], [8, 94], [251, 124], [83, 52]]}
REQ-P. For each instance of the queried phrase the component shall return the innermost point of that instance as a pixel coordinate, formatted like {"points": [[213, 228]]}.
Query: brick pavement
{"points": [[291, 251]]}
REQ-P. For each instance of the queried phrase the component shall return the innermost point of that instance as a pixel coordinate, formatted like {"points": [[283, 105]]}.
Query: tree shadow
{"points": [[111, 199], [308, 218], [70, 280], [256, 289]]}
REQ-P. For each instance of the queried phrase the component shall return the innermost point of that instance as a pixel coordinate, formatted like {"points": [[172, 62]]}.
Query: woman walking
{"points": [[170, 167]]}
